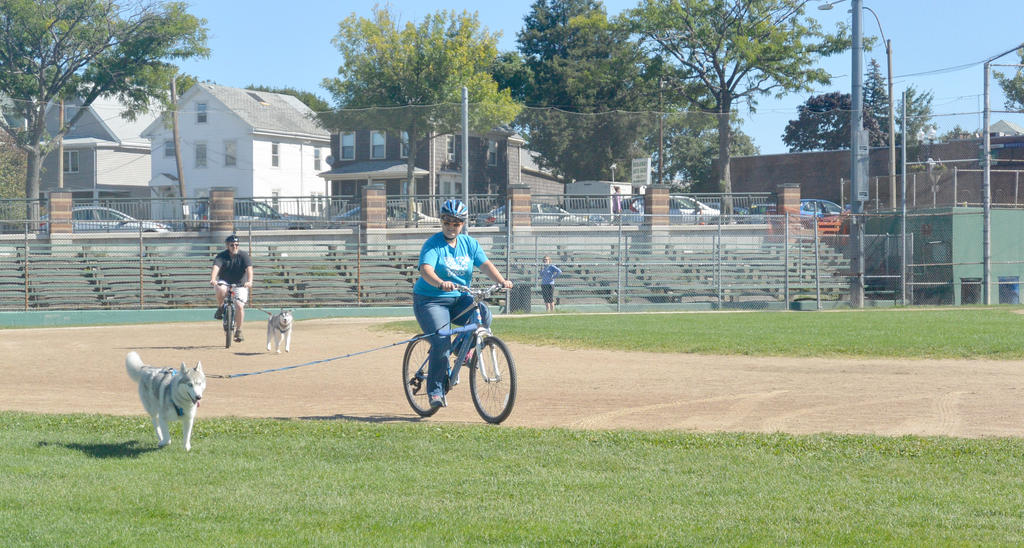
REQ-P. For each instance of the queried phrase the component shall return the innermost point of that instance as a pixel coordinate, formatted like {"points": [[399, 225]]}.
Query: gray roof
{"points": [[1004, 127], [269, 112], [372, 169]]}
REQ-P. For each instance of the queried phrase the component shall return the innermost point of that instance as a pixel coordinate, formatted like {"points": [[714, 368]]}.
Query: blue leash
{"points": [[442, 332], [315, 362]]}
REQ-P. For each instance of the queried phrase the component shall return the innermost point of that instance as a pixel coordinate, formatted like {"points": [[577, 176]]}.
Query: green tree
{"points": [[419, 68], [958, 134], [919, 115], [1013, 86], [823, 123], [588, 81], [735, 51], [12, 169], [59, 49], [691, 146], [876, 106]]}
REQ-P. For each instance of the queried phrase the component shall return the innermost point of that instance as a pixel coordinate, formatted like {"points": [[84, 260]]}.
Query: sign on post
{"points": [[640, 175]]}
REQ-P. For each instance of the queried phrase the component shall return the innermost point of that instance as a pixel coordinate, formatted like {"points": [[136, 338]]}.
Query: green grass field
{"points": [[90, 480]]}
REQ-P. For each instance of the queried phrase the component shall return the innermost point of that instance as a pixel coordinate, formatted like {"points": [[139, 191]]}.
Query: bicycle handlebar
{"points": [[479, 293]]}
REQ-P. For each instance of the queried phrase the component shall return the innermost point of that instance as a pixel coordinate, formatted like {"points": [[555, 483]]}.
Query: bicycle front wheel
{"points": [[493, 381], [414, 377], [229, 324]]}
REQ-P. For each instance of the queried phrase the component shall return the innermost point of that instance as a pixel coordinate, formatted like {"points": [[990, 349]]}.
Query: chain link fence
{"points": [[620, 262]]}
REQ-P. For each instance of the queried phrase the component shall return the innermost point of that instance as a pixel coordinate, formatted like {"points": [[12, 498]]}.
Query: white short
{"points": [[241, 292]]}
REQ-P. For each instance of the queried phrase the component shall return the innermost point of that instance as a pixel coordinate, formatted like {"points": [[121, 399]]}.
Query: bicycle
{"points": [[228, 313], [492, 372]]}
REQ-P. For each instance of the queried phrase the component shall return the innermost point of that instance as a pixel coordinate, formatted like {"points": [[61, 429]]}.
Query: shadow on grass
{"points": [[124, 450], [367, 418]]}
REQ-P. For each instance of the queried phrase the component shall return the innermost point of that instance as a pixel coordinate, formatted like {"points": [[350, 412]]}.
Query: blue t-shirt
{"points": [[451, 264], [548, 275]]}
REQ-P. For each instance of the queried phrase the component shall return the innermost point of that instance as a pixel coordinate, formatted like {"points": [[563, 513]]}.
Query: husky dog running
{"points": [[168, 394], [279, 327]]}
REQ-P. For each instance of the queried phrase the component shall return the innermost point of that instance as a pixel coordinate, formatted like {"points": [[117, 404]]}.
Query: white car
{"points": [[681, 210], [105, 219], [540, 214]]}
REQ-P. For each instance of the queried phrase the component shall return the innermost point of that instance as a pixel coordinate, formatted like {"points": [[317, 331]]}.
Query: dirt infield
{"points": [[81, 370]]}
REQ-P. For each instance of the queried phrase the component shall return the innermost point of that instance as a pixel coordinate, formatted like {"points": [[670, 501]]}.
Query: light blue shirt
{"points": [[548, 275], [451, 264]]}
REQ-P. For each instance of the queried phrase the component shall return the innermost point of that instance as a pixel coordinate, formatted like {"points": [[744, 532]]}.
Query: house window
{"points": [[275, 156], [405, 145], [70, 161], [492, 152], [200, 154], [230, 153], [168, 149], [451, 148], [377, 142], [316, 159], [348, 146], [200, 113]]}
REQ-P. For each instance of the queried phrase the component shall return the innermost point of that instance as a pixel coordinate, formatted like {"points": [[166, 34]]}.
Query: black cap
{"points": [[231, 239]]}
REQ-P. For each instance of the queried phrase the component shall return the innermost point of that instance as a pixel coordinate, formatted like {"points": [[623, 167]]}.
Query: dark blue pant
{"points": [[435, 313]]}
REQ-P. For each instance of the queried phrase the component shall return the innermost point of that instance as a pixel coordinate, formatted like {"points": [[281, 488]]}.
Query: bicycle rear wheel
{"points": [[414, 377], [229, 324], [493, 381]]}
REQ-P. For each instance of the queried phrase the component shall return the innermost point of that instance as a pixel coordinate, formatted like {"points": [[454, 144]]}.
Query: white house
{"points": [[261, 144]]}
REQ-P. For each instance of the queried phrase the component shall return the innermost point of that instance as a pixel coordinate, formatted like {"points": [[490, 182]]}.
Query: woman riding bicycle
{"points": [[446, 260]]}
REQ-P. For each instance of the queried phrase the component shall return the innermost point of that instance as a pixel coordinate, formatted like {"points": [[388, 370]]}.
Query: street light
{"points": [[858, 155]]}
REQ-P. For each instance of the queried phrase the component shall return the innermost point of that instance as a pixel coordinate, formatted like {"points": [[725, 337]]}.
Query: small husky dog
{"points": [[279, 327], [168, 394]]}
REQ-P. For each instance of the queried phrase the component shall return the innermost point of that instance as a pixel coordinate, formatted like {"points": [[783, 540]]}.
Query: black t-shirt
{"points": [[232, 269]]}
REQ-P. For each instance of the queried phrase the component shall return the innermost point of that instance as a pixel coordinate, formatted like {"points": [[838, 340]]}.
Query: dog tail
{"points": [[133, 363]]}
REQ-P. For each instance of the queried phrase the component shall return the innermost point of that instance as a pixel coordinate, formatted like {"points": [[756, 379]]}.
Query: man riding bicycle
{"points": [[446, 260], [232, 266]]}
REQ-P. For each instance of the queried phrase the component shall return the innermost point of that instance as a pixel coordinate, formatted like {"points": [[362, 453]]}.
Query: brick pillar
{"points": [[520, 196], [222, 213], [60, 212], [656, 205], [787, 198], [374, 207]]}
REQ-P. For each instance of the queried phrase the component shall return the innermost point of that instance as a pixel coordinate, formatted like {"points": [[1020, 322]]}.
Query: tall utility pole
{"points": [[986, 190], [177, 141], [465, 158], [858, 158], [661, 129], [60, 146], [892, 123]]}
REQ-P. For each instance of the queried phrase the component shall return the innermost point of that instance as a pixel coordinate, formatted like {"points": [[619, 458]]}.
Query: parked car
{"points": [[681, 210], [346, 218], [492, 217], [758, 214], [105, 219], [540, 214], [263, 216], [819, 208], [394, 216]]}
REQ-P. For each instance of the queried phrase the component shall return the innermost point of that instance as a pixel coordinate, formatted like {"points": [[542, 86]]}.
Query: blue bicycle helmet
{"points": [[455, 209]]}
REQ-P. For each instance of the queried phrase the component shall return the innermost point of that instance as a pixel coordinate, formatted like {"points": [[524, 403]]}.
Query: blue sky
{"points": [[938, 46]]}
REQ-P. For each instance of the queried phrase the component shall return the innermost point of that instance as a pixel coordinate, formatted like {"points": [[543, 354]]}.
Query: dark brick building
{"points": [[955, 178]]}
